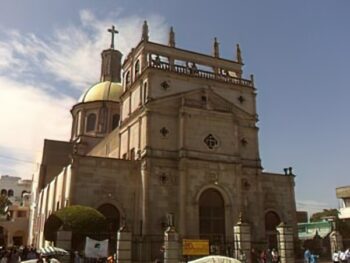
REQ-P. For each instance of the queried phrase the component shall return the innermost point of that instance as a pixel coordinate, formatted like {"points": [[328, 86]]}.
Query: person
{"points": [[76, 257], [40, 259], [4, 258], [335, 256], [275, 256], [313, 258], [342, 257], [268, 256], [263, 256], [254, 256], [14, 256], [307, 255], [347, 254], [32, 254]]}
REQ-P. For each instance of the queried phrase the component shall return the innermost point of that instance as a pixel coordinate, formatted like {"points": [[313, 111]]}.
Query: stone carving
{"points": [[164, 131], [211, 142]]}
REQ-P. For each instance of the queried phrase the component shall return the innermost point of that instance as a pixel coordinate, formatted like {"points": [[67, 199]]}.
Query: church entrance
{"points": [[212, 219], [113, 223], [272, 220]]}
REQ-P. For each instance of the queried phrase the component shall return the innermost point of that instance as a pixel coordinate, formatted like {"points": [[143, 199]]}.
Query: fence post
{"points": [[124, 245], [242, 241], [285, 243], [171, 245]]}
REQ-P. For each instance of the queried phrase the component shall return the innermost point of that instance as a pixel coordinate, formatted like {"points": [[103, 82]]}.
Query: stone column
{"points": [[285, 243], [124, 240], [336, 241], [242, 243], [171, 245]]}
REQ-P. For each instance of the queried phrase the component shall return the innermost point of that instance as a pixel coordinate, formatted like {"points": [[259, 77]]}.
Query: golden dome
{"points": [[107, 90]]}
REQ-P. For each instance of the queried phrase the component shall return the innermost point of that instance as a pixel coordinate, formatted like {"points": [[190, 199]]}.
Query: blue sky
{"points": [[298, 51]]}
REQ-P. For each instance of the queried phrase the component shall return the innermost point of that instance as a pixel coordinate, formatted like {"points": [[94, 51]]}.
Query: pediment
{"points": [[205, 99]]}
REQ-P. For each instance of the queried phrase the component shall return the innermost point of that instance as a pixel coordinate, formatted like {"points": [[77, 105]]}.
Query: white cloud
{"points": [[72, 54], [28, 116], [30, 67]]}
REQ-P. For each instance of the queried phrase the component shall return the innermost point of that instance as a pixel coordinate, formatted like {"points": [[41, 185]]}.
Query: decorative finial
{"points": [[145, 31], [216, 48], [252, 78], [171, 37], [239, 55], [112, 31]]}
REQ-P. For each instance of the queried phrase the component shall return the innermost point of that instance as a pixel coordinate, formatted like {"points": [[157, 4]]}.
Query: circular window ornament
{"points": [[211, 141]]}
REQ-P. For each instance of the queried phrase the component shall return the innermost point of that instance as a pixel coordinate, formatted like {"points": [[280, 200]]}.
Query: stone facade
{"points": [[186, 143]]}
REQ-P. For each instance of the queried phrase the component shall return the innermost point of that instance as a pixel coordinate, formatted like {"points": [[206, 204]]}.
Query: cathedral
{"points": [[166, 131]]}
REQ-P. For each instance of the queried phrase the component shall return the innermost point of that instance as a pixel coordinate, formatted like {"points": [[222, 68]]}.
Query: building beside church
{"points": [[176, 134], [343, 195], [14, 221]]}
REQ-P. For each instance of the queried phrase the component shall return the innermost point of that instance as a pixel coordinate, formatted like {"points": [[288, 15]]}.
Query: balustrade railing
{"points": [[193, 71]]}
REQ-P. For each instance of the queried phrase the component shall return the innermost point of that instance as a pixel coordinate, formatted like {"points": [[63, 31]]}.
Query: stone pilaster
{"points": [[171, 245], [242, 237], [336, 241], [124, 241], [285, 243]]}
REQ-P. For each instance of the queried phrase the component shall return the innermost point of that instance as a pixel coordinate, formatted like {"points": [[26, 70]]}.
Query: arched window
{"points": [[127, 78], [3, 192], [78, 124], [91, 122], [212, 216], [23, 193], [272, 220], [145, 93], [137, 68], [115, 121], [10, 193]]}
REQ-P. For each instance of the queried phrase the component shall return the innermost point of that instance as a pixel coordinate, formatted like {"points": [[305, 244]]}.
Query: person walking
{"points": [[307, 255], [335, 256]]}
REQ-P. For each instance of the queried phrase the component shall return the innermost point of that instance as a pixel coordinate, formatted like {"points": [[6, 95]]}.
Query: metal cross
{"points": [[112, 31]]}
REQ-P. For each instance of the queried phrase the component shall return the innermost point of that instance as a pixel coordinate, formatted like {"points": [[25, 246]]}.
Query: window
{"points": [[127, 78], [10, 193], [21, 213], [145, 93], [137, 68], [91, 122], [115, 121], [3, 192]]}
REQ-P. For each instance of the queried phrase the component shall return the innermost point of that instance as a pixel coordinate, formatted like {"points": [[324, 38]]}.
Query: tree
{"points": [[4, 204], [81, 220]]}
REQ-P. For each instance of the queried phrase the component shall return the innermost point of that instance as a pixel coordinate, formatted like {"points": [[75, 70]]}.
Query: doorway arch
{"points": [[112, 216], [272, 220], [212, 216]]}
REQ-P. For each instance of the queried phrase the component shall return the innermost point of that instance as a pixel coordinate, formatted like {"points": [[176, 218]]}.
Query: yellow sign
{"points": [[195, 247]]}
